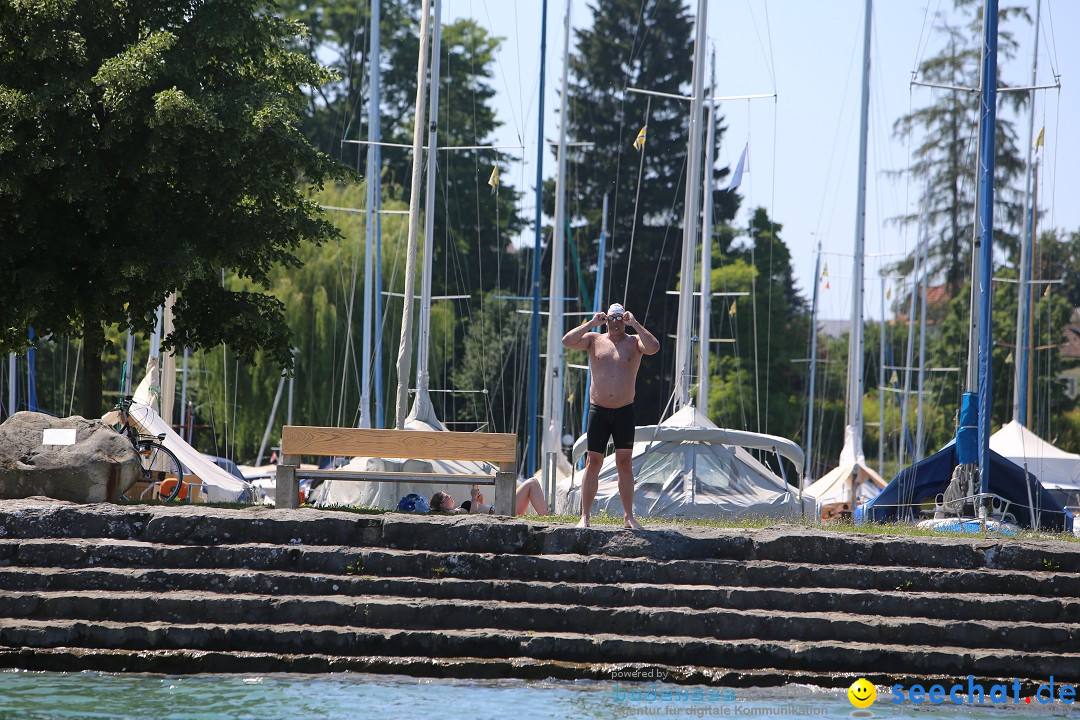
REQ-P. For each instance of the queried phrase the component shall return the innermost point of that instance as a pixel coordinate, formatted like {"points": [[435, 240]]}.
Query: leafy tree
{"points": [[496, 340], [472, 225], [764, 269], [149, 148], [317, 298], [1050, 313], [945, 138], [1058, 258]]}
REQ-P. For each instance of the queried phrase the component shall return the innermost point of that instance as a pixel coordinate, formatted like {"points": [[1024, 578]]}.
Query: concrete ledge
{"points": [[192, 525]]}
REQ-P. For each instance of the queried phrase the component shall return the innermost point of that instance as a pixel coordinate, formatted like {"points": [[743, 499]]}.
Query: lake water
{"points": [[40, 696]]}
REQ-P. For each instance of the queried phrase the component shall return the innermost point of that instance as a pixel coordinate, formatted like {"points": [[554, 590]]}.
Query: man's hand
{"points": [[648, 344], [580, 338]]}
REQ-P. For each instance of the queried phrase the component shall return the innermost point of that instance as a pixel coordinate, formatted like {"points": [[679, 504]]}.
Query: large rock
{"points": [[99, 467]]}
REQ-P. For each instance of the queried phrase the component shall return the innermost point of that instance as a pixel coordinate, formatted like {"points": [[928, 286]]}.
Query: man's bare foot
{"points": [[631, 523], [583, 522]]}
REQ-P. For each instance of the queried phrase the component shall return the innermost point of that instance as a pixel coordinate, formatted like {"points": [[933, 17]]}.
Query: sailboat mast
{"points": [[855, 345], [813, 366], [534, 323], [923, 286], [909, 356], [988, 113], [1027, 242], [706, 251], [881, 383], [683, 365], [423, 343], [370, 214], [553, 374], [597, 295], [404, 360]]}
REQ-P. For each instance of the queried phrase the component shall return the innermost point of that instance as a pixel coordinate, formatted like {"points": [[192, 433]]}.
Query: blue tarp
{"points": [[923, 481]]}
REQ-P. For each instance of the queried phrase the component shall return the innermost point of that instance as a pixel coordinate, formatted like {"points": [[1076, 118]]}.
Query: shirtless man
{"points": [[614, 359]]}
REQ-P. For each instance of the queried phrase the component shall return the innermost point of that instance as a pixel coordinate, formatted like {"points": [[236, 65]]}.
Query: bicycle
{"points": [[159, 464]]}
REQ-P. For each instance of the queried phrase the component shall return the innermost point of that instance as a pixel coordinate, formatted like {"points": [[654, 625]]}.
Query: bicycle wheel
{"points": [[161, 466]]}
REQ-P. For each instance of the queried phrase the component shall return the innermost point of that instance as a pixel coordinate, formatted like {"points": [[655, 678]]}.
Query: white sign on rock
{"points": [[58, 436]]}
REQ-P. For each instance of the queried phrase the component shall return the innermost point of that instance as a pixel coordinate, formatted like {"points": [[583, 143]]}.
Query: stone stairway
{"points": [[196, 589]]}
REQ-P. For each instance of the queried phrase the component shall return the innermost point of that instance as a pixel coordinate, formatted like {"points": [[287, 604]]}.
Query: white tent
{"points": [[386, 495], [688, 467], [1057, 470], [836, 485]]}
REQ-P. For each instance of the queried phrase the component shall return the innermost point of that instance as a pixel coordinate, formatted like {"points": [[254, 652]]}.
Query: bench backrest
{"points": [[498, 448]]}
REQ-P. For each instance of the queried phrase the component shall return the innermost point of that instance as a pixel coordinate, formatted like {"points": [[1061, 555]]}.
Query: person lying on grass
{"points": [[528, 492]]}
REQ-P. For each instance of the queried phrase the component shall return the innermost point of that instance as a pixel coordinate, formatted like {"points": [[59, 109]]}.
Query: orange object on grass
{"points": [[167, 485]]}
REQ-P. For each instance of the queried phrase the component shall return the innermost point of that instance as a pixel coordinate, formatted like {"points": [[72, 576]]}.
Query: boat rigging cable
{"points": [[629, 62], [637, 198]]}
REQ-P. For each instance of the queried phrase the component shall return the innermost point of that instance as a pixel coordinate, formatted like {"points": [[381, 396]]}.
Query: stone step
{"points": [[181, 662], [186, 607], [82, 553], [815, 657], [696, 597], [191, 525]]}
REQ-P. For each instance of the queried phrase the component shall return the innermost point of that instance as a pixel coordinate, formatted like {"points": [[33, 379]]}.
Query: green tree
{"points": [[1050, 314], [473, 225], [944, 144], [149, 148], [495, 346], [771, 399], [1058, 258]]}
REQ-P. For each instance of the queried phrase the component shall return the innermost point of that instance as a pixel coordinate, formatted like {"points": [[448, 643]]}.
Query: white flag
{"points": [[742, 166]]}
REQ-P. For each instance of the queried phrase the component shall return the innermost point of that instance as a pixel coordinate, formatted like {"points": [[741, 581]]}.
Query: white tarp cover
{"points": [[688, 471], [1055, 468], [385, 495], [835, 485], [218, 485]]}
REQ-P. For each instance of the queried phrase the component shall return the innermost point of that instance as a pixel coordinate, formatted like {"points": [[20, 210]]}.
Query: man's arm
{"points": [[580, 338], [648, 344]]}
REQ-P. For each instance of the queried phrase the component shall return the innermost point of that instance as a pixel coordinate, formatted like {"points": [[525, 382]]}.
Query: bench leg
{"points": [[287, 492], [505, 493]]}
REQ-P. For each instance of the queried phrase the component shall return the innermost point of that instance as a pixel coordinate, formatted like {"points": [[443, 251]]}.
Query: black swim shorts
{"points": [[616, 423]]}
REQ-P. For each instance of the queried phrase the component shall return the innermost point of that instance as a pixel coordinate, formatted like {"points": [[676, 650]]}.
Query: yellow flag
{"points": [[493, 181], [888, 293], [1046, 292], [1039, 140], [825, 272], [1009, 358], [639, 143], [894, 379], [731, 310]]}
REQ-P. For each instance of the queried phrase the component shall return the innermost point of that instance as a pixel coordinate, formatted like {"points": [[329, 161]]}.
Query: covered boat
{"points": [[1016, 496], [688, 467]]}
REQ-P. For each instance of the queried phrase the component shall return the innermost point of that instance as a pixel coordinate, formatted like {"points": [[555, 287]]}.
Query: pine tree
{"points": [[944, 137]]}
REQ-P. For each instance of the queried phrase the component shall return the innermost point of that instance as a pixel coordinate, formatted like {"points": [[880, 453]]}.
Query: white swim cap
{"points": [[616, 309]]}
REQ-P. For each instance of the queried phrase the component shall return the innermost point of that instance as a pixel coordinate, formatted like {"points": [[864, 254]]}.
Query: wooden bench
{"points": [[499, 449]]}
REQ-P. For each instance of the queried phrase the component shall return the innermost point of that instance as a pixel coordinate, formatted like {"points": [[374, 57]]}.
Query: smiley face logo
{"points": [[862, 693]]}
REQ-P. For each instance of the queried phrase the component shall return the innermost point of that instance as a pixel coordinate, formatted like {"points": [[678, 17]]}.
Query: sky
{"points": [[804, 143]]}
